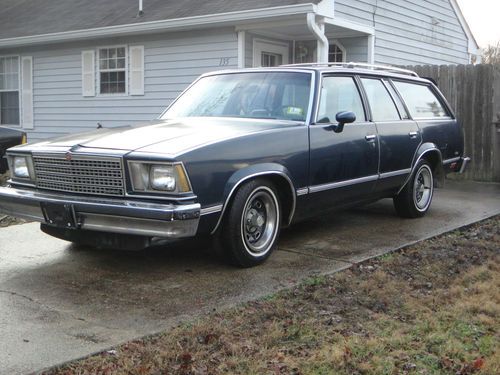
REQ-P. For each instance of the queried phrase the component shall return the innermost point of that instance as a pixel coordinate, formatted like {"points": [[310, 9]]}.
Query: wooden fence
{"points": [[473, 91]]}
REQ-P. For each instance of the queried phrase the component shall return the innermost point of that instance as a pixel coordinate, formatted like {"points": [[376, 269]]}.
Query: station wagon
{"points": [[241, 154]]}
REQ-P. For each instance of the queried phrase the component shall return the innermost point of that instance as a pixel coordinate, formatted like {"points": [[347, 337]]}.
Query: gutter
{"points": [[319, 34], [220, 19]]}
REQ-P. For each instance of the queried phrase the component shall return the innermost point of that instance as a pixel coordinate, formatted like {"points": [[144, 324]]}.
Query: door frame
{"points": [[271, 46]]}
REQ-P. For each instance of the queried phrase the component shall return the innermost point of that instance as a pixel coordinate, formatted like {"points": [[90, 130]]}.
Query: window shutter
{"points": [[88, 73], [136, 68], [27, 92]]}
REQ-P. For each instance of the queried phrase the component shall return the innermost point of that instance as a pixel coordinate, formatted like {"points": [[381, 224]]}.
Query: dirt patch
{"points": [[5, 220], [431, 308]]}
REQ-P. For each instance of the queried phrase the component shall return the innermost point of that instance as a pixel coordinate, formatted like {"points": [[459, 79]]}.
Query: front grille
{"points": [[81, 174]]}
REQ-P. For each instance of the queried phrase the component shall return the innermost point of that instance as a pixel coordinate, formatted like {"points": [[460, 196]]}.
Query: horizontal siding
{"points": [[172, 62], [410, 31]]}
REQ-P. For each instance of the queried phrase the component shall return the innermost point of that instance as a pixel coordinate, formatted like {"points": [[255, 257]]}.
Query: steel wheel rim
{"points": [[259, 221], [422, 188]]}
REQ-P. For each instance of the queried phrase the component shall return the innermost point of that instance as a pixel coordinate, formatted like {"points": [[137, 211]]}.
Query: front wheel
{"points": [[251, 227], [416, 197]]}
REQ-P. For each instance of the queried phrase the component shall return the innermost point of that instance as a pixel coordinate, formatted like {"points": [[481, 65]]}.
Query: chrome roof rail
{"points": [[352, 65]]}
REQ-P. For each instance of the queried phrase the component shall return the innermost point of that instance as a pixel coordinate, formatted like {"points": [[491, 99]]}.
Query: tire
{"points": [[251, 227], [416, 197]]}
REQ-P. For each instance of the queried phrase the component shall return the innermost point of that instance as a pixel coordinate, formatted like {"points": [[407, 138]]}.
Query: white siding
{"points": [[410, 32], [171, 61]]}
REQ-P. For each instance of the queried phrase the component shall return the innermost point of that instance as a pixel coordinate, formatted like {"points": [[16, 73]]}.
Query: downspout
{"points": [[319, 34]]}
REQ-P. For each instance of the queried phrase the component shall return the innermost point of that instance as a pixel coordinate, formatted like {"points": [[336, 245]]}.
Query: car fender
{"points": [[253, 171]]}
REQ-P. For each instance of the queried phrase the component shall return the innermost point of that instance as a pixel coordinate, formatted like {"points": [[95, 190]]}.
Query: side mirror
{"points": [[343, 118]]}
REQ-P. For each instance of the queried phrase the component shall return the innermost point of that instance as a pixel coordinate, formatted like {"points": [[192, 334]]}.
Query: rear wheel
{"points": [[416, 197], [251, 227]]}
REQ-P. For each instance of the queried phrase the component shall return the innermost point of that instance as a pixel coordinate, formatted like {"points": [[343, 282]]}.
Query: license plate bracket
{"points": [[59, 215]]}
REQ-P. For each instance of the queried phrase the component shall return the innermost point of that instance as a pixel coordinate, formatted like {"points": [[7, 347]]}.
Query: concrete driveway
{"points": [[59, 302]]}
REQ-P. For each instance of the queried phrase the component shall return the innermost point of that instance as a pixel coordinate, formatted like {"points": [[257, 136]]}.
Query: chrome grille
{"points": [[81, 174]]}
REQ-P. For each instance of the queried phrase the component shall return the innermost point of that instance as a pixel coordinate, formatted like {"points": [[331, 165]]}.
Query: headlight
{"points": [[150, 177], [161, 177], [20, 167]]}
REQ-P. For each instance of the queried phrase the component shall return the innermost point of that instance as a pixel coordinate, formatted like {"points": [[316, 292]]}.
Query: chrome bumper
{"points": [[106, 215], [464, 161]]}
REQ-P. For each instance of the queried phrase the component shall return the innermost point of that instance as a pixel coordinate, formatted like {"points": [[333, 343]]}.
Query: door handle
{"points": [[370, 138], [413, 135]]}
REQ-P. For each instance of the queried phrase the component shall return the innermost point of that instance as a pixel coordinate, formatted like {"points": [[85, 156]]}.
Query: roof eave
{"points": [[178, 24], [473, 47]]}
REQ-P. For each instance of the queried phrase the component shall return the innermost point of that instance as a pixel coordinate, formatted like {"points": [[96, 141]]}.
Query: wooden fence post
{"points": [[473, 92]]}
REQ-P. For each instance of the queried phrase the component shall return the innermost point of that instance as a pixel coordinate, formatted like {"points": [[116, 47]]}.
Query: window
{"points": [[271, 59], [381, 103], [9, 91], [339, 94], [336, 53], [276, 95], [420, 100], [401, 108], [112, 70], [269, 53]]}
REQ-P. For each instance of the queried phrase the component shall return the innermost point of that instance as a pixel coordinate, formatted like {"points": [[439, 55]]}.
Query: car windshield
{"points": [[270, 95]]}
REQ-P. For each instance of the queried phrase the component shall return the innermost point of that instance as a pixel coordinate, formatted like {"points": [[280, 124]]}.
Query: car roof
{"points": [[342, 68]]}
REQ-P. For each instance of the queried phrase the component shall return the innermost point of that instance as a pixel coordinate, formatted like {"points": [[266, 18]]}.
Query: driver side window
{"points": [[339, 94]]}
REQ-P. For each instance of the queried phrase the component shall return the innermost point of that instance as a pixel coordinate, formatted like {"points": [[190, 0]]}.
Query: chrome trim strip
{"points": [[12, 182], [211, 210], [228, 199], [452, 160], [395, 173], [302, 191], [335, 185]]}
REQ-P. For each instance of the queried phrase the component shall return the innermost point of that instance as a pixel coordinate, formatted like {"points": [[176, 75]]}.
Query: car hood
{"points": [[170, 137]]}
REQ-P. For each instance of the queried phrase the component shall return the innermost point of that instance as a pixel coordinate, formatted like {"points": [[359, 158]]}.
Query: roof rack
{"points": [[352, 65]]}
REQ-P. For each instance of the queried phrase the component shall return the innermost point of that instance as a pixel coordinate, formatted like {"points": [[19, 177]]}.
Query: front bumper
{"points": [[105, 214]]}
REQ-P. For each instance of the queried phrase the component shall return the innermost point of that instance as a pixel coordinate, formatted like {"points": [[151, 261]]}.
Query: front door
{"points": [[268, 53], [343, 166]]}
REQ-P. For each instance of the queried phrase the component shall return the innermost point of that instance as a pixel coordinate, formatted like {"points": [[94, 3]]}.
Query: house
{"points": [[67, 65]]}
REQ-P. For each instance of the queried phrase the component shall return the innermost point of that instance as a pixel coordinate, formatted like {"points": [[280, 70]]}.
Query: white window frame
{"points": [[19, 90], [263, 45], [98, 70], [335, 42]]}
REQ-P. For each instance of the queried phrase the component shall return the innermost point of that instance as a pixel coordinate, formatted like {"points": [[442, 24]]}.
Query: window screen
{"points": [[381, 103], [339, 94], [112, 70], [420, 100]]}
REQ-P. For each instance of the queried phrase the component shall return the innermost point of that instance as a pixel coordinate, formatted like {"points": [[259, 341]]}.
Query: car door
{"points": [[399, 136], [343, 166]]}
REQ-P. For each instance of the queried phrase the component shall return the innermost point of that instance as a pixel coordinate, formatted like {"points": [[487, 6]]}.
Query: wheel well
{"points": [[434, 159], [284, 194]]}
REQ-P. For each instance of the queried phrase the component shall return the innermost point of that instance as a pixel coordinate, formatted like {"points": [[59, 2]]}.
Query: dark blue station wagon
{"points": [[241, 154]]}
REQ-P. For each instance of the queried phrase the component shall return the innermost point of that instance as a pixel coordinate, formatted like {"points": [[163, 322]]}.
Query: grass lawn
{"points": [[432, 308]]}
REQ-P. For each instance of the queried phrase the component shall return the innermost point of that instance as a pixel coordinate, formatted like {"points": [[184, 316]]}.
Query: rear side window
{"points": [[381, 103], [339, 94], [420, 100]]}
